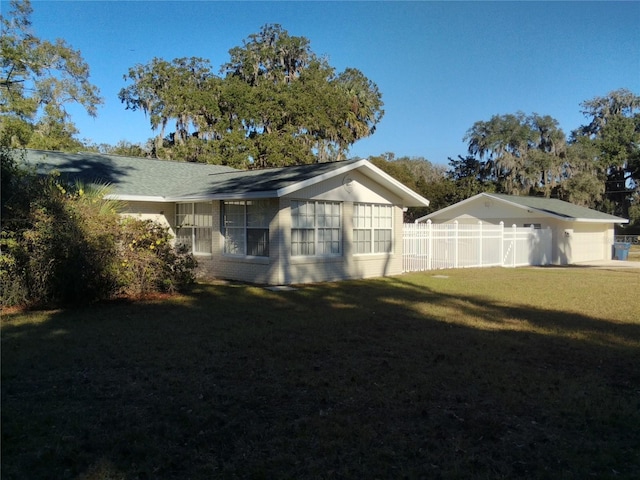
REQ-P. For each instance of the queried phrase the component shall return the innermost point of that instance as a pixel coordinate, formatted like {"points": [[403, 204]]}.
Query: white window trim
{"points": [[244, 232], [315, 231], [373, 229], [194, 227]]}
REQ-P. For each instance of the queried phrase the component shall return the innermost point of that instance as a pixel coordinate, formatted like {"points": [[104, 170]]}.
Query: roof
{"points": [[545, 206], [143, 179]]}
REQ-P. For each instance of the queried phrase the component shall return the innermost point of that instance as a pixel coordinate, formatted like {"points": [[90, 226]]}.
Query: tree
{"points": [[364, 105], [614, 134], [167, 91], [276, 103], [420, 175], [297, 110], [618, 103], [520, 153], [271, 56], [468, 177], [39, 78], [584, 179]]}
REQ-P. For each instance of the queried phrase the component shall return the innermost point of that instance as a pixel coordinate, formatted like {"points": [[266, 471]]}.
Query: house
{"points": [[309, 223], [579, 234]]}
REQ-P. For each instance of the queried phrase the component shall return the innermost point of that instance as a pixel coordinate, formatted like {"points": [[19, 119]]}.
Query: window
{"points": [[246, 228], [194, 226], [315, 228], [372, 228]]}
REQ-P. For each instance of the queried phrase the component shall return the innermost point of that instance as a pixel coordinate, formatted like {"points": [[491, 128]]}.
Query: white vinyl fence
{"points": [[429, 247]]}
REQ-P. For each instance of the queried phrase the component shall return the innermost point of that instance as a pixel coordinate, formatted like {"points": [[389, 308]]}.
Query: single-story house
{"points": [[579, 234], [299, 224]]}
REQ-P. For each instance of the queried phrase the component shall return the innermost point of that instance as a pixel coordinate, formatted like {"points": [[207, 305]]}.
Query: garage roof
{"points": [[546, 206]]}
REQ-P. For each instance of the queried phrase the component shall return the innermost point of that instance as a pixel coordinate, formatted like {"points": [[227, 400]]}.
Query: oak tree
{"points": [[38, 80], [273, 103]]}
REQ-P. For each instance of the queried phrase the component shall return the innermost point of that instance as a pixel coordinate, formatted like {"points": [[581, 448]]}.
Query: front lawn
{"points": [[480, 373]]}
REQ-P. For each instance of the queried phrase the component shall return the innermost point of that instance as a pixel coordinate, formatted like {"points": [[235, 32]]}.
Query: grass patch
{"points": [[492, 373]]}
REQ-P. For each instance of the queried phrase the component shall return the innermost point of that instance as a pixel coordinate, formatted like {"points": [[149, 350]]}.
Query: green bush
{"points": [[65, 244], [62, 248], [148, 262]]}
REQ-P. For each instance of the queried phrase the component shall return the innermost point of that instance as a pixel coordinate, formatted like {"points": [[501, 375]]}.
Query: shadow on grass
{"points": [[382, 378]]}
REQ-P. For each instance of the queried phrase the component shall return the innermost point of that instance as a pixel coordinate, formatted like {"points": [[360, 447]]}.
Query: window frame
{"points": [[246, 229], [319, 228], [192, 225], [370, 226]]}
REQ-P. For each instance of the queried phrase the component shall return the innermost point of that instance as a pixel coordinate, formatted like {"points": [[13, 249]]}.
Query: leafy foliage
{"points": [[520, 153], [38, 78], [276, 104], [149, 262], [614, 135], [421, 176], [65, 244], [60, 248]]}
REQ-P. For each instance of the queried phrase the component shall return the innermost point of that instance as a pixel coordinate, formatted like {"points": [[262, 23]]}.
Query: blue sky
{"points": [[441, 66]]}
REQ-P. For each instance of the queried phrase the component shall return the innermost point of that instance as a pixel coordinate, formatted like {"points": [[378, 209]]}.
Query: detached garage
{"points": [[579, 234]]}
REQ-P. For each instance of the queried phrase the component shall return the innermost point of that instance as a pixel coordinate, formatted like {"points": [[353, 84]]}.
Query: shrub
{"points": [[61, 249], [148, 262], [64, 244]]}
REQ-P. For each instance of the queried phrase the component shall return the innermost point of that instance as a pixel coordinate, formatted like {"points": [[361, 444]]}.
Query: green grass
{"points": [[492, 373]]}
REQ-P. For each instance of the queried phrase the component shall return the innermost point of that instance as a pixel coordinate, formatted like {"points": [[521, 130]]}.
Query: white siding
{"points": [[347, 265], [350, 187], [246, 269], [163, 213], [280, 267]]}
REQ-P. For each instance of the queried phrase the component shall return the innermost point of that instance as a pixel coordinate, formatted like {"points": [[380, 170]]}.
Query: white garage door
{"points": [[590, 243]]}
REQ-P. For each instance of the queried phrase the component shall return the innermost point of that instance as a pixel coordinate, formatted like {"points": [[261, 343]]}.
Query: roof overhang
{"points": [[187, 198], [529, 209], [595, 220], [408, 197], [446, 209], [555, 215], [221, 196], [136, 198]]}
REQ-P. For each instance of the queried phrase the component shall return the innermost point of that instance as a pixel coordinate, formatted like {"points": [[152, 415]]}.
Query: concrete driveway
{"points": [[617, 264]]}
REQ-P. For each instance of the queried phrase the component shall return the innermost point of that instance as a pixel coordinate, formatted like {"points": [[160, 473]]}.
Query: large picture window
{"points": [[315, 228], [194, 226], [246, 227], [372, 228]]}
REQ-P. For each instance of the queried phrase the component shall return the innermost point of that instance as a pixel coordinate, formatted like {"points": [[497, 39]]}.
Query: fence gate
{"points": [[427, 246]]}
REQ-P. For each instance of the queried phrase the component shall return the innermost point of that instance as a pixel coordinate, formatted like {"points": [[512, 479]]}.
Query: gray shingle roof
{"points": [[545, 206], [125, 175], [556, 207], [132, 178]]}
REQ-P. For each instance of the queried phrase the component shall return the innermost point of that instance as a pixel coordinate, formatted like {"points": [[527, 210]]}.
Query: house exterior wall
{"points": [[162, 213], [308, 269], [350, 188], [588, 242], [283, 268], [572, 242], [234, 267]]}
